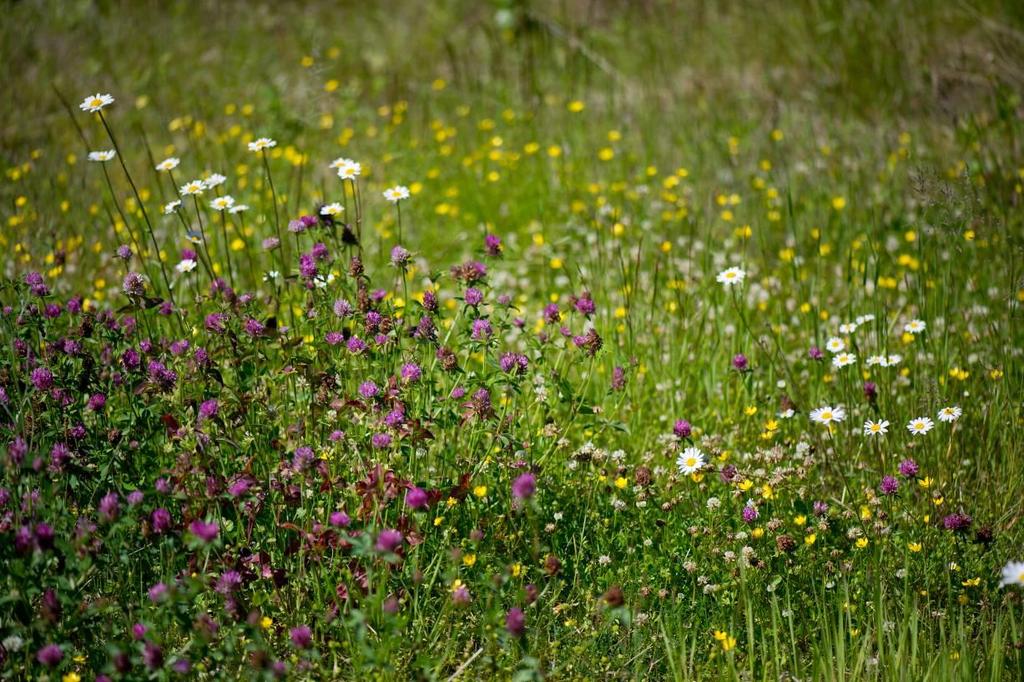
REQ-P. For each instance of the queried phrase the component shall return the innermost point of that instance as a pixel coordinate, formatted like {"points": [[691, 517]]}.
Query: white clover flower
{"points": [[94, 103], [13, 643]]}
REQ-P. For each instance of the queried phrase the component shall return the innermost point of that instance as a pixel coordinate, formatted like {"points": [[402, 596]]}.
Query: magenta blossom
{"points": [[524, 486]]}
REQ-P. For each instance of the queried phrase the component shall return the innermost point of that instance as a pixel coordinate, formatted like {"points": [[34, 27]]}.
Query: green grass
{"points": [[853, 158]]}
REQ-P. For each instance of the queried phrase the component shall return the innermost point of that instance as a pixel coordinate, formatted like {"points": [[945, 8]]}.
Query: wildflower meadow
{"points": [[512, 339]]}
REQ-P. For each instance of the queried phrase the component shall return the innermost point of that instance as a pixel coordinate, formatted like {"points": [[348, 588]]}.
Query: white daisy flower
{"points": [[187, 265], [893, 360], [1013, 573], [261, 144], [271, 275], [690, 461], [843, 359], [731, 276], [172, 207], [950, 414], [396, 193], [827, 415], [214, 180], [168, 164], [835, 345], [222, 203], [864, 319], [879, 428], [920, 426], [914, 327], [192, 188], [331, 209], [349, 170], [105, 155], [238, 208], [873, 360], [787, 413], [94, 103], [847, 328]]}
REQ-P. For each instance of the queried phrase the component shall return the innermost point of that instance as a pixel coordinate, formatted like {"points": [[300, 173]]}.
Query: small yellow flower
{"points": [[266, 622], [480, 491], [914, 546], [728, 642], [72, 677], [862, 543], [469, 559], [621, 483], [810, 538]]}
